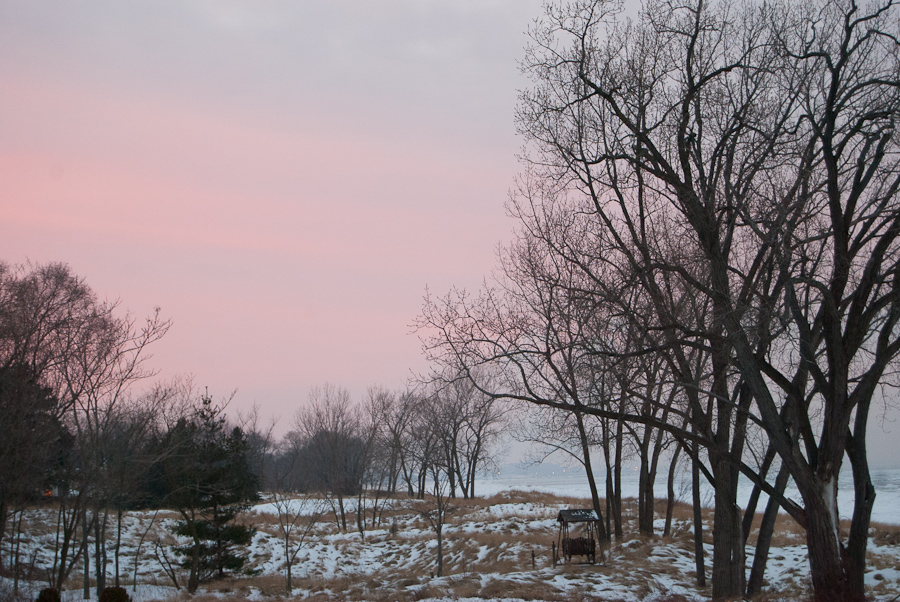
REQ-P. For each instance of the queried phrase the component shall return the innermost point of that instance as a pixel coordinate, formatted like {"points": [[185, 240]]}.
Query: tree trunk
{"points": [[864, 500], [118, 541], [728, 541], [361, 512], [451, 475], [606, 459], [764, 539], [343, 524], [194, 577], [393, 469], [699, 563], [750, 511], [440, 551], [288, 562], [137, 552], [586, 454], [423, 475], [59, 551], [86, 589], [3, 508], [827, 570], [18, 538], [670, 490], [617, 480], [645, 493], [100, 551]]}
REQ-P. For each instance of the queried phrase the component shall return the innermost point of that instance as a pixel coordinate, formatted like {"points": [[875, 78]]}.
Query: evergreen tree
{"points": [[32, 439], [205, 475]]}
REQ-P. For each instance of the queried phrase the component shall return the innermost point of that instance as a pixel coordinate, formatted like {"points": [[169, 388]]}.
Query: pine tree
{"points": [[205, 475]]}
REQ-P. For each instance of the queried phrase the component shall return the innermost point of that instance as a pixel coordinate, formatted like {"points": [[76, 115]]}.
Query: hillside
{"points": [[487, 555]]}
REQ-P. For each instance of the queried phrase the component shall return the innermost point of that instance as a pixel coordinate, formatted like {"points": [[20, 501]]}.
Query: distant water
{"points": [[571, 480]]}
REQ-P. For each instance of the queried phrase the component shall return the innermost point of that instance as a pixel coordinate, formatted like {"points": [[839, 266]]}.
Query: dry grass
{"points": [[787, 532], [884, 534], [488, 554], [526, 590]]}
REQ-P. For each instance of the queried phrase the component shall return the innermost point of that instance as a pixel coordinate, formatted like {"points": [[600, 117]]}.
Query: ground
{"points": [[488, 547]]}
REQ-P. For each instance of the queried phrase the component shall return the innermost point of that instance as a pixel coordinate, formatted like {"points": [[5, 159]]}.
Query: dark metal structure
{"points": [[586, 544]]}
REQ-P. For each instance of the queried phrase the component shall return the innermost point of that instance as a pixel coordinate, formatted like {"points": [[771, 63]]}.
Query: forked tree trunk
{"points": [[100, 551], [750, 510], [610, 492], [194, 576]]}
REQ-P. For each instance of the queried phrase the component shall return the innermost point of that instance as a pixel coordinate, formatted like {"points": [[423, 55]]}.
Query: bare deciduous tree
{"points": [[87, 356], [723, 177], [329, 427]]}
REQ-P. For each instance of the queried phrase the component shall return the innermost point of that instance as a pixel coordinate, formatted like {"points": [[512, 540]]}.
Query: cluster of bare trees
{"points": [[426, 443], [391, 442], [708, 255], [76, 433], [70, 425]]}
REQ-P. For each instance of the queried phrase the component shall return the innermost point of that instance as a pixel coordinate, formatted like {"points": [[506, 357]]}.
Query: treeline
{"points": [[79, 438], [391, 443], [707, 261]]}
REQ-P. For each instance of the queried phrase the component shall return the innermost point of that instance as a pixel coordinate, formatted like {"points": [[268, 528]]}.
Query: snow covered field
{"points": [[487, 554]]}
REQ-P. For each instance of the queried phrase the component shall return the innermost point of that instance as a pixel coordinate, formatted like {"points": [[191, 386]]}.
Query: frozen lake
{"points": [[571, 480]]}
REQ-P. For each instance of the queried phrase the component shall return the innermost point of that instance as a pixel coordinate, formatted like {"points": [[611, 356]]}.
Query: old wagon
{"points": [[588, 533]]}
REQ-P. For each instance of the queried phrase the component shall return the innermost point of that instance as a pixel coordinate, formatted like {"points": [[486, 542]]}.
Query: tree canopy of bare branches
{"points": [[714, 183]]}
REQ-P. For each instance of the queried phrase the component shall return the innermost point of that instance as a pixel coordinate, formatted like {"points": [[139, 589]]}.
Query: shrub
{"points": [[114, 594], [48, 594]]}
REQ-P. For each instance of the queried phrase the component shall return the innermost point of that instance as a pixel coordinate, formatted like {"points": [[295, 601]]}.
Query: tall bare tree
{"points": [[732, 168], [329, 425], [87, 355], [745, 152]]}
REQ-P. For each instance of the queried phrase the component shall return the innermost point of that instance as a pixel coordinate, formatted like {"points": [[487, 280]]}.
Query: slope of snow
{"points": [[497, 548]]}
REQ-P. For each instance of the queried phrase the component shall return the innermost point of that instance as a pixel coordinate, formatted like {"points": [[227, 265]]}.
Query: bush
{"points": [[114, 594], [48, 594]]}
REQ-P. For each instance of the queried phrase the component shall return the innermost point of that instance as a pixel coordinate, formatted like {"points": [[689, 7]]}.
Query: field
{"points": [[488, 547]]}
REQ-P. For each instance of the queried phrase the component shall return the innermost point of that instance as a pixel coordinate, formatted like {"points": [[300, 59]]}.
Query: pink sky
{"points": [[283, 179]]}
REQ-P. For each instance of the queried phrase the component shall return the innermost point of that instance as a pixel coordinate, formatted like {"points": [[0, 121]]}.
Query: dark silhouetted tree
{"points": [[204, 473]]}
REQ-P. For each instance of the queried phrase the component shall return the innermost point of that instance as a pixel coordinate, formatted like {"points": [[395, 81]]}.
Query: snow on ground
{"points": [[495, 548]]}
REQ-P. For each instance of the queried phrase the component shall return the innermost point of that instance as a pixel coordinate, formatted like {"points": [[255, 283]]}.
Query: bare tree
{"points": [[330, 428], [297, 515], [87, 356], [732, 168], [395, 414], [435, 508], [468, 424]]}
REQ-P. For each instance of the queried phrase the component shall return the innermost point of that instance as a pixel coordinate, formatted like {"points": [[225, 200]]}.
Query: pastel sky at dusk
{"points": [[284, 179]]}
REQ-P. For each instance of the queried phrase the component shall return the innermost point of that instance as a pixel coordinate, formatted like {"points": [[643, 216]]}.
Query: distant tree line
{"points": [[355, 453]]}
